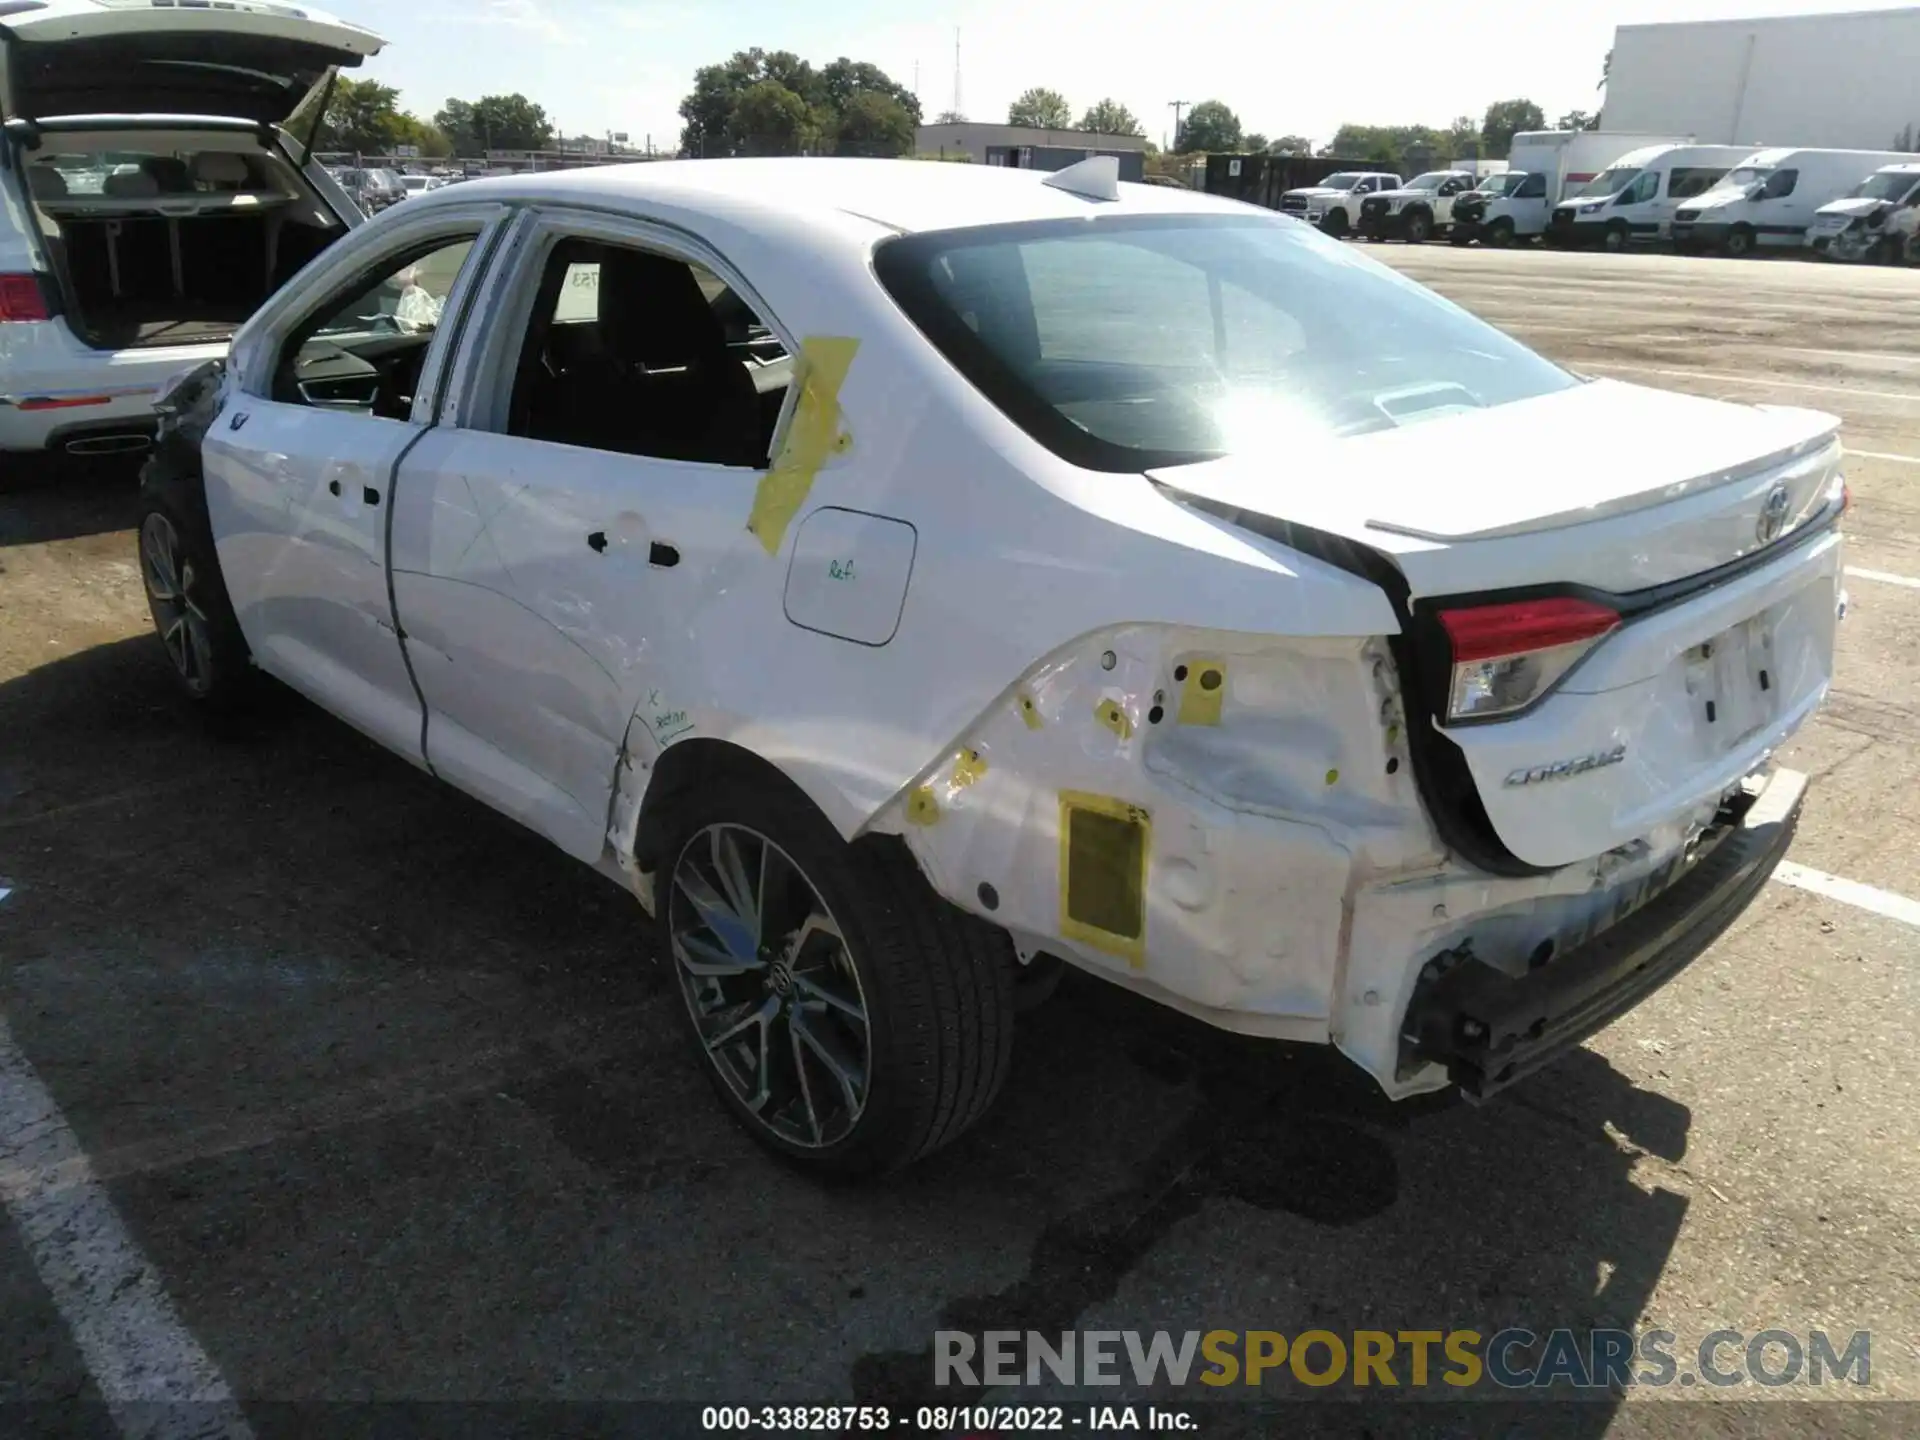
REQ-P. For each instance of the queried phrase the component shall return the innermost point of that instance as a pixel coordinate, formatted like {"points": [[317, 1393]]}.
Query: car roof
{"points": [[901, 195]]}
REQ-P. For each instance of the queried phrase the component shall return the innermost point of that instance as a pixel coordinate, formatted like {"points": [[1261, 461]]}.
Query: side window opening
{"points": [[1534, 187], [640, 353], [363, 350]]}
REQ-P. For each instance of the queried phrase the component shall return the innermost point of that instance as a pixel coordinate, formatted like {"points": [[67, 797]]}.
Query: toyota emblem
{"points": [[1773, 514]]}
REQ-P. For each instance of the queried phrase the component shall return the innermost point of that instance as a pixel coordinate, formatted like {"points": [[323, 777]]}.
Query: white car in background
{"points": [[907, 578], [155, 189]]}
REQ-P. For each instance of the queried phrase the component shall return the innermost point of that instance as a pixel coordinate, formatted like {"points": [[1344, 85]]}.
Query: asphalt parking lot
{"points": [[393, 1101]]}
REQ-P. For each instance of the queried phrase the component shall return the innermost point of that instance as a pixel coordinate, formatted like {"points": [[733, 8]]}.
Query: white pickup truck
{"points": [[1423, 209], [1334, 204]]}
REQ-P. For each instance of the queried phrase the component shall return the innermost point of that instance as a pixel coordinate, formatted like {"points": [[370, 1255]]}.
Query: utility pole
{"points": [[1177, 106], [956, 71]]}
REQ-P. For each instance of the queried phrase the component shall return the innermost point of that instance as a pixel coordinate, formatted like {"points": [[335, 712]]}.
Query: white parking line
{"points": [[1849, 892], [1883, 577], [154, 1376], [1910, 396], [1883, 455]]}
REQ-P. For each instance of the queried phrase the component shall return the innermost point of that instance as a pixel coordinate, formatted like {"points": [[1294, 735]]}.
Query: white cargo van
{"points": [[1872, 222], [1770, 198], [1544, 166], [1634, 198]]}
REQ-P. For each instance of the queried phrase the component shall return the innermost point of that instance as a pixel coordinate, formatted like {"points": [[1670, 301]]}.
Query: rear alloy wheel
{"points": [[1739, 242], [1419, 227], [1614, 237], [850, 1018], [773, 991], [187, 596], [172, 596], [1500, 234]]}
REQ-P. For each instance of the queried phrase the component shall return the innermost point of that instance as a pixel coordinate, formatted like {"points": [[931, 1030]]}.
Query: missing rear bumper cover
{"points": [[1490, 1029]]}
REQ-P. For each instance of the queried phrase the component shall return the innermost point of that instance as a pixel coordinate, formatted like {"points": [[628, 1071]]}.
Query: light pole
{"points": [[1177, 106]]}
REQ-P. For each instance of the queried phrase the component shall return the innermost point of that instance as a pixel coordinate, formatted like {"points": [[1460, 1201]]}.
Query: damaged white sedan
{"points": [[909, 578]]}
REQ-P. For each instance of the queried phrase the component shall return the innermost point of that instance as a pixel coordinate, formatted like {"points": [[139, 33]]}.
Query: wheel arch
{"points": [[647, 793]]}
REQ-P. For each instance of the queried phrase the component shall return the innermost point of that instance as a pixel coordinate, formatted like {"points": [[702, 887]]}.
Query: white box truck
{"points": [[1511, 206], [1635, 197], [1875, 221], [1771, 197]]}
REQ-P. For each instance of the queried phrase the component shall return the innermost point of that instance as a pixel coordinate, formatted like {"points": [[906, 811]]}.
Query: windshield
{"points": [[1432, 180], [1746, 175], [1888, 185], [1340, 182], [1610, 182], [1132, 343], [1504, 184]]}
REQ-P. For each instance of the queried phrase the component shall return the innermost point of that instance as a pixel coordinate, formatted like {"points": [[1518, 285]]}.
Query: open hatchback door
{"points": [[241, 59]]}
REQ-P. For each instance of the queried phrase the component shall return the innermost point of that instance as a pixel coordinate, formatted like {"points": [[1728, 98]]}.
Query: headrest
{"points": [[221, 167], [46, 182], [130, 185]]}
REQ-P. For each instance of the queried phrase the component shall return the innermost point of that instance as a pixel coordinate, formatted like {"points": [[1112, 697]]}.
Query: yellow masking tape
{"points": [[1030, 712], [922, 808], [1109, 714], [814, 435], [968, 768], [1202, 691]]}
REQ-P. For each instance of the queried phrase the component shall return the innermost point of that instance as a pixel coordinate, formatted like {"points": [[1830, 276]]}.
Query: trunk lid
{"points": [[1605, 484], [247, 59], [1699, 522]]}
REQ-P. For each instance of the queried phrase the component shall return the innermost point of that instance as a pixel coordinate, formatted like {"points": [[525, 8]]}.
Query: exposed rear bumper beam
{"points": [[1491, 1029]]}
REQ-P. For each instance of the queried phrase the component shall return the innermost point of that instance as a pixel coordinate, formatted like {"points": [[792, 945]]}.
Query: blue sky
{"points": [[599, 65]]}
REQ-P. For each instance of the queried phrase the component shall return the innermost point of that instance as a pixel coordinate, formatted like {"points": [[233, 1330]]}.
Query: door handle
{"points": [[664, 557], [597, 542]]}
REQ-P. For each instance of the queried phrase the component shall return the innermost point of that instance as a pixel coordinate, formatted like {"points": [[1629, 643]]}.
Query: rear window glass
{"points": [[1138, 342]]}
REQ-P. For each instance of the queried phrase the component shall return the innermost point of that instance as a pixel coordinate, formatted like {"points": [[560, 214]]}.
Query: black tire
{"points": [[934, 983], [1738, 244], [1614, 237], [1418, 226], [1500, 234], [1335, 224], [186, 593]]}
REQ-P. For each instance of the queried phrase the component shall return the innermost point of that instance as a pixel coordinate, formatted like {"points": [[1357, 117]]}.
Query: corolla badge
{"points": [[1773, 515], [1561, 769]]}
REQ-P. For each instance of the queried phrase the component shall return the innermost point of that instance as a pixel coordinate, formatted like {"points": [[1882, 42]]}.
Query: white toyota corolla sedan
{"points": [[907, 579]]}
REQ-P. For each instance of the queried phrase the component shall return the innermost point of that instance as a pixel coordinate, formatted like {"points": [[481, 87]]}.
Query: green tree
{"points": [[1463, 139], [768, 119], [845, 79], [1254, 143], [1577, 120], [362, 116], [1290, 145], [1043, 109], [873, 123], [1211, 127], [511, 122], [1507, 118], [1110, 117], [455, 121], [728, 109], [949, 117]]}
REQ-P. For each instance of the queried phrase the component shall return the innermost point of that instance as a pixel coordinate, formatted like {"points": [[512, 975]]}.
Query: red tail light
{"points": [[1507, 656], [21, 298]]}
